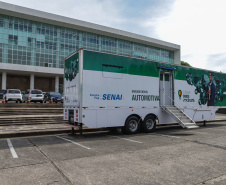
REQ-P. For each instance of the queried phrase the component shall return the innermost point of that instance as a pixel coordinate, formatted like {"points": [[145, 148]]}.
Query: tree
{"points": [[185, 64]]}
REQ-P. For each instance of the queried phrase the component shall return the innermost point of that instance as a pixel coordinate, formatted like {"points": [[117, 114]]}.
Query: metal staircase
{"points": [[180, 117]]}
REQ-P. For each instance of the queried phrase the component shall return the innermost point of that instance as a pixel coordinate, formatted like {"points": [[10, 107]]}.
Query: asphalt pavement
{"points": [[170, 155]]}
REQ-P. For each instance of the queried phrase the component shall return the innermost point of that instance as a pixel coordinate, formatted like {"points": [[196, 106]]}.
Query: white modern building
{"points": [[33, 45]]}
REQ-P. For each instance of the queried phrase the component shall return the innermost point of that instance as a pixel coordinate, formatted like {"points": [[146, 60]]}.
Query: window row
{"points": [[91, 42], [70, 40]]}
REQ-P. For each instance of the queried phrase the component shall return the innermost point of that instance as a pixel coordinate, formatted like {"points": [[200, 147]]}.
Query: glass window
{"points": [[35, 92], [54, 94], [16, 25], [10, 24], [1, 23], [13, 39], [14, 91]]}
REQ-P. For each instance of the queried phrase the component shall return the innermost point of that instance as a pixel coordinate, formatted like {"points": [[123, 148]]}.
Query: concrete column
{"points": [[57, 84], [32, 81], [4, 79]]}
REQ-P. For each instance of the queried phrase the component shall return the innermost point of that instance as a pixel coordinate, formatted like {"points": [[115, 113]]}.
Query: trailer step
{"points": [[180, 117]]}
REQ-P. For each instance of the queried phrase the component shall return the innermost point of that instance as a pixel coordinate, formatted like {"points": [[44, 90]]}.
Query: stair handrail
{"points": [[182, 109], [172, 99], [195, 109], [187, 103]]}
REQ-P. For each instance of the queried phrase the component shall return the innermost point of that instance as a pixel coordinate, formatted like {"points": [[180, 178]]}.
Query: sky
{"points": [[198, 26]]}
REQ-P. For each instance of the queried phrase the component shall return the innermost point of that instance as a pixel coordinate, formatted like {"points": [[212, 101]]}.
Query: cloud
{"points": [[102, 12], [218, 61], [198, 26], [128, 15]]}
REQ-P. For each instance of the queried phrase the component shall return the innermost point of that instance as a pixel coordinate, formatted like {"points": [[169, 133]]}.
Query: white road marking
{"points": [[127, 139], [12, 149], [166, 135], [74, 143]]}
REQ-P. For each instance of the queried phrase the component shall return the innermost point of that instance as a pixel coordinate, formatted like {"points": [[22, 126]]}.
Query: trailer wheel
{"points": [[149, 123], [132, 125]]}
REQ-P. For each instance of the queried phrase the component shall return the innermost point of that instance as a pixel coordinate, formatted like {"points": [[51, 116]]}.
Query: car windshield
{"points": [[2, 91], [36, 92], [14, 91], [55, 94]]}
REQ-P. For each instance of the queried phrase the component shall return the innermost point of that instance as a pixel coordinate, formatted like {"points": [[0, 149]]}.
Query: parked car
{"points": [[2, 92], [35, 95], [56, 97], [13, 95]]}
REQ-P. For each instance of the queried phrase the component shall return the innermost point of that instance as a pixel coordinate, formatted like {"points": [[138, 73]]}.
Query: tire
{"points": [[132, 125], [149, 124], [16, 101], [41, 101]]}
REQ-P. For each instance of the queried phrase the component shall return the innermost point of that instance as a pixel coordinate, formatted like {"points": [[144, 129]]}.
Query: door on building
{"points": [[166, 88]]}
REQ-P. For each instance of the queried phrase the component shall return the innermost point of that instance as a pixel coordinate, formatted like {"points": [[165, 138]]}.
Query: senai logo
{"points": [[180, 93]]}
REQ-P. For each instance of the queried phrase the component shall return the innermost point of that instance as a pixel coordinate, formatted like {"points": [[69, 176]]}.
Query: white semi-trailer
{"points": [[103, 90]]}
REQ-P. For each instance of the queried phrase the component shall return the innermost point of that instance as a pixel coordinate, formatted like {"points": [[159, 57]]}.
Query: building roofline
{"points": [[49, 18]]}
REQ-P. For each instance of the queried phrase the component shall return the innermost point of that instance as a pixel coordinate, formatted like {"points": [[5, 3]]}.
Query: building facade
{"points": [[33, 45]]}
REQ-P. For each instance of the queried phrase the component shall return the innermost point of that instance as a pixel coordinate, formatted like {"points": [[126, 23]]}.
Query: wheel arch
{"points": [[136, 115], [151, 114]]}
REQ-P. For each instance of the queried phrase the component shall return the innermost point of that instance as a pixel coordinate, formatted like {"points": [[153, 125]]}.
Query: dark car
{"points": [[2, 92], [56, 97]]}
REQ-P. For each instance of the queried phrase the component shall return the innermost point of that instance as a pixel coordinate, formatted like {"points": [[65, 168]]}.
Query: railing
{"points": [[193, 108], [182, 109]]}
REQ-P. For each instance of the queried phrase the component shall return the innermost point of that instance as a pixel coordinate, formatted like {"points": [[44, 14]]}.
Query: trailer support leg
{"points": [[72, 131], [80, 129], [204, 123]]}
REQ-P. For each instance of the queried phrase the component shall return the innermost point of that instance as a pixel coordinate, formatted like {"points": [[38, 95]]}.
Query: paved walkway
{"points": [[41, 129]]}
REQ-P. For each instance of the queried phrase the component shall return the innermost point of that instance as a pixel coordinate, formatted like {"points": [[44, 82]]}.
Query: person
{"points": [[210, 91]]}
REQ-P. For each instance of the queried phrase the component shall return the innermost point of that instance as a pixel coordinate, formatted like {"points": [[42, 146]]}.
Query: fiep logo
{"points": [[180, 93]]}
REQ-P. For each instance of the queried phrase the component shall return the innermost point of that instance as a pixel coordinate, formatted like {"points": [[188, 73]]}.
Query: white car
{"points": [[13, 95], [35, 95]]}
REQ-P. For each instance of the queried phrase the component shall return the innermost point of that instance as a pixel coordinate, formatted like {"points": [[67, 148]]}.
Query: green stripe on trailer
{"points": [[118, 64], [97, 61]]}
